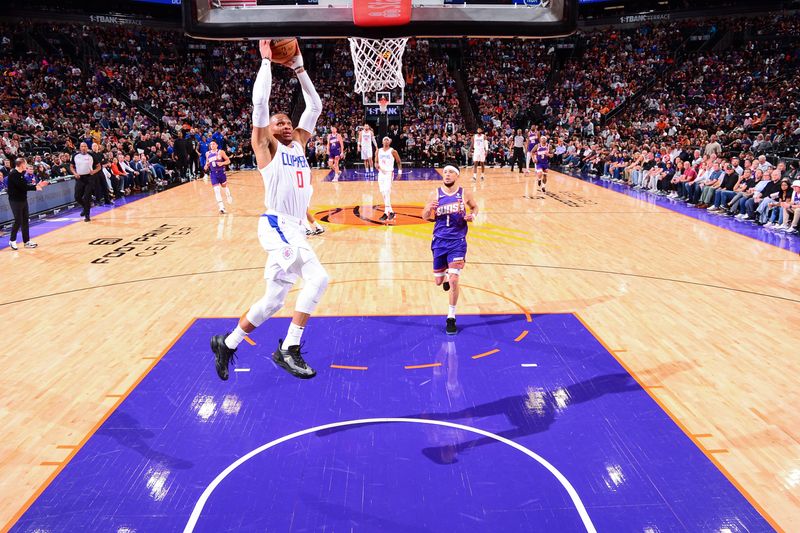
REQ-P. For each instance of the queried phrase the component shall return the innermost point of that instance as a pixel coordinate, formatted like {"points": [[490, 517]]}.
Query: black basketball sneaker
{"points": [[223, 356], [292, 361], [451, 328]]}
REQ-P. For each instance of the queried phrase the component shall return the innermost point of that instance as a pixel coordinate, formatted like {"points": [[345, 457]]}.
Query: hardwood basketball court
{"points": [[704, 319]]}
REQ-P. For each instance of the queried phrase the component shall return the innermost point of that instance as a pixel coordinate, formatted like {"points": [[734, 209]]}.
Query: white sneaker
{"points": [[30, 244], [769, 225], [13, 245], [784, 227]]}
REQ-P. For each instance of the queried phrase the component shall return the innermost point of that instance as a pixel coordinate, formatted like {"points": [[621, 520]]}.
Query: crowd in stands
{"points": [[432, 118], [156, 98]]}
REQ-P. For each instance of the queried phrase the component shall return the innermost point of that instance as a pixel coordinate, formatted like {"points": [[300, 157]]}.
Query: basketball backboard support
{"points": [[257, 19]]}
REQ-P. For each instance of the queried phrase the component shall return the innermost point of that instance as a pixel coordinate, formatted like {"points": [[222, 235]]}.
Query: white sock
{"points": [[387, 200], [451, 312], [235, 338], [317, 225], [292, 336], [217, 193], [221, 205]]}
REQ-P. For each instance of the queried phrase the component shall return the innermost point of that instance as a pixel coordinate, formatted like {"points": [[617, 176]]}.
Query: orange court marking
{"points": [[484, 354], [429, 365], [249, 341], [349, 367], [521, 336]]}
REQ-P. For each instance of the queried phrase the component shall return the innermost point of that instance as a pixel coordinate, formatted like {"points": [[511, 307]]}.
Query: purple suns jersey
{"points": [[531, 141], [215, 170], [541, 154], [450, 223], [333, 142]]}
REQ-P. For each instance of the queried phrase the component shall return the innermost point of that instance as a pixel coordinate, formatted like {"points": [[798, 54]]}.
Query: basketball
{"points": [[284, 50]]}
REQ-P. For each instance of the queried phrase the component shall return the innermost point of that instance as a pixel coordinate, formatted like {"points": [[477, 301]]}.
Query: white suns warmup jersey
{"points": [[287, 181], [366, 138], [478, 143], [386, 160]]}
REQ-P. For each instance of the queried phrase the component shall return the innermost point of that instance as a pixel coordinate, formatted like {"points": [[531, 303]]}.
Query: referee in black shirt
{"points": [[18, 199], [83, 166]]}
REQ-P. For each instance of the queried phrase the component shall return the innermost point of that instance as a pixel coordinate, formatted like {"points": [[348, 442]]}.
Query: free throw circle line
{"points": [[573, 494]]}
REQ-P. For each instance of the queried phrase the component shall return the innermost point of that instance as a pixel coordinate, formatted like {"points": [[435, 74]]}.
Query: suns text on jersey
{"points": [[450, 209]]}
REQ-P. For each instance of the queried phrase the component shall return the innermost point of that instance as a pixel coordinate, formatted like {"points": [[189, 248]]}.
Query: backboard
{"points": [[254, 19]]}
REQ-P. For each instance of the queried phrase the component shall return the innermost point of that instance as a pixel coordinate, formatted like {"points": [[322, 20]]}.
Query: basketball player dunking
{"points": [[216, 161], [542, 162], [335, 146], [366, 143], [387, 157], [280, 155], [447, 209], [478, 154]]}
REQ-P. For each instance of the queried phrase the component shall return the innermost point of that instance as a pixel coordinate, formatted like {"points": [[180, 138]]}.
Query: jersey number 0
{"points": [[299, 179]]}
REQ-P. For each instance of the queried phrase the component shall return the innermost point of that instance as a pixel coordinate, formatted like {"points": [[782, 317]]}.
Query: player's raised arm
{"points": [[264, 144], [308, 120]]}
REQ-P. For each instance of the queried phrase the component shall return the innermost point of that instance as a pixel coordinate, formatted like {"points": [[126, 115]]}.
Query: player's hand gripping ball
{"points": [[284, 50]]}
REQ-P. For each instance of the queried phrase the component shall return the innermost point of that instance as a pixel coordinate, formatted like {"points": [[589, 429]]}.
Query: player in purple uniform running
{"points": [[447, 209], [216, 161], [542, 162], [335, 144], [532, 136]]}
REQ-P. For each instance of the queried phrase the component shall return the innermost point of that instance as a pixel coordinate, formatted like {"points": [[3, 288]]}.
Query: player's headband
{"points": [[452, 169], [387, 139]]}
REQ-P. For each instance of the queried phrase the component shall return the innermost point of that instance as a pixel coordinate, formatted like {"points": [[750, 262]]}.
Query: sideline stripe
{"points": [[573, 494], [521, 336], [683, 428], [92, 431], [249, 341]]}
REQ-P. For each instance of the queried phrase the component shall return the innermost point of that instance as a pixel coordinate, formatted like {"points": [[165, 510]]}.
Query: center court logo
{"points": [[369, 215]]}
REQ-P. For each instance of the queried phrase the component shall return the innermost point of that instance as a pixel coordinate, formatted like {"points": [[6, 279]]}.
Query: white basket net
{"points": [[378, 63]]}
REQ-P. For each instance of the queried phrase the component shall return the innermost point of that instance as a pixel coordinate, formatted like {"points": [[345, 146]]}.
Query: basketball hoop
{"points": [[378, 63], [383, 104]]}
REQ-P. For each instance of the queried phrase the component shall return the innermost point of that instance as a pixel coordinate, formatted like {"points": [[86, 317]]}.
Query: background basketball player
{"points": [[542, 162], [335, 148], [478, 154], [447, 208], [366, 143], [532, 137], [280, 155], [387, 157], [216, 161]]}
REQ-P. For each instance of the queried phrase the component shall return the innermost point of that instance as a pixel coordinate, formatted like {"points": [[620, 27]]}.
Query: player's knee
{"points": [[315, 285], [453, 274], [271, 303]]}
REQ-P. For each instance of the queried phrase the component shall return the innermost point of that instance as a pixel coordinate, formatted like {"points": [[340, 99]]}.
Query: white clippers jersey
{"points": [[287, 181], [386, 160], [366, 138], [478, 143]]}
